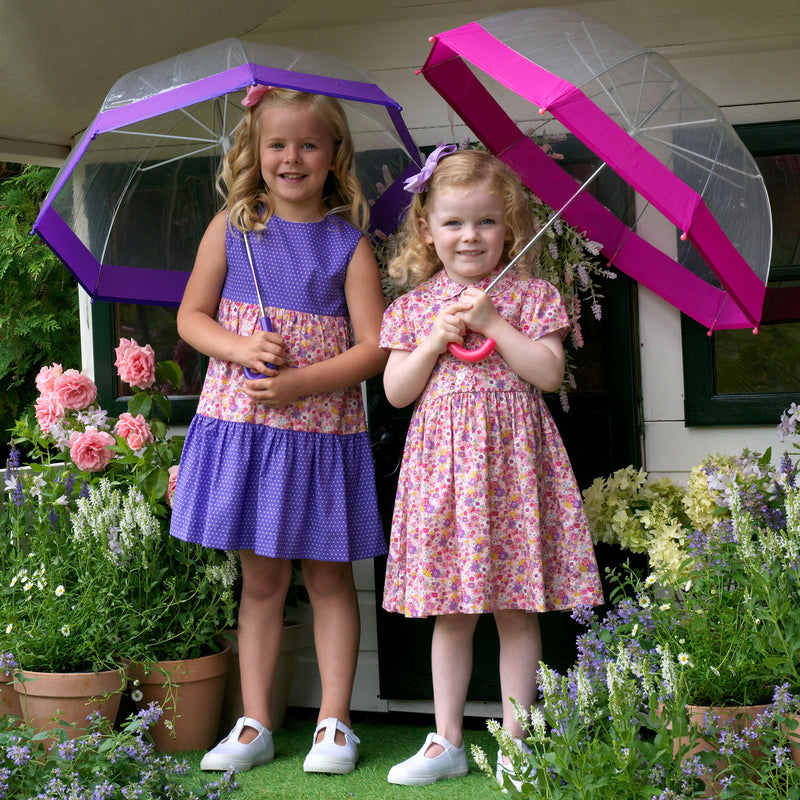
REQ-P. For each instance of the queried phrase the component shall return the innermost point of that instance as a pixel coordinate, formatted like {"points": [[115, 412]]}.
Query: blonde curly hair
{"points": [[240, 181], [413, 260]]}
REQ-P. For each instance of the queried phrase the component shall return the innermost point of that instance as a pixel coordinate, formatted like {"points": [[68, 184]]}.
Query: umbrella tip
{"points": [[542, 110], [417, 71], [755, 331], [683, 236]]}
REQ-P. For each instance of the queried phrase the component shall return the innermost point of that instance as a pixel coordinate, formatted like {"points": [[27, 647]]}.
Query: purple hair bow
{"points": [[418, 183], [254, 94]]}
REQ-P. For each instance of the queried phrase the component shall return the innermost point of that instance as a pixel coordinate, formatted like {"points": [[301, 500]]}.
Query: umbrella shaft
{"points": [[549, 224], [253, 270]]}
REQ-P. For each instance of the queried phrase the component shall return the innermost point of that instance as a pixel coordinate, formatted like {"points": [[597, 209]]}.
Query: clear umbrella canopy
{"points": [[128, 208], [691, 217]]}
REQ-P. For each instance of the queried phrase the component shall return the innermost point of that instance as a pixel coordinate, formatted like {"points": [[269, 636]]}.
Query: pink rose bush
{"points": [[73, 429], [86, 541]]}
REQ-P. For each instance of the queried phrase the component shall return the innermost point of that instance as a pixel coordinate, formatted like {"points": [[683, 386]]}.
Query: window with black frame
{"points": [[736, 377]]}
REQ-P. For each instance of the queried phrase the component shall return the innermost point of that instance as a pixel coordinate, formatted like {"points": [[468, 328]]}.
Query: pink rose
{"points": [[74, 390], [136, 365], [48, 411], [134, 430], [173, 480], [46, 379], [91, 450]]}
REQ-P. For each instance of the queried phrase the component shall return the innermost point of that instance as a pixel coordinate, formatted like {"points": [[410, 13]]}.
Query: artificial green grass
{"points": [[385, 741]]}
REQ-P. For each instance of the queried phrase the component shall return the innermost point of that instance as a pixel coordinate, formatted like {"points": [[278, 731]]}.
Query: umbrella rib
{"points": [[165, 136], [181, 157], [701, 160], [596, 76]]}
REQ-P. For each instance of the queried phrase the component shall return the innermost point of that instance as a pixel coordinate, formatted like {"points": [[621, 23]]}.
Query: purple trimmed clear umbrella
{"points": [[127, 210], [692, 220]]}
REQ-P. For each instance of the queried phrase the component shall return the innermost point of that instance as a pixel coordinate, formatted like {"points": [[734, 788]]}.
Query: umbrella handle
{"points": [[478, 354], [266, 325]]}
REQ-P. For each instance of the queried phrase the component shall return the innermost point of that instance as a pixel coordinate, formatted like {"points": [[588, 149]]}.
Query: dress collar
{"points": [[441, 286]]}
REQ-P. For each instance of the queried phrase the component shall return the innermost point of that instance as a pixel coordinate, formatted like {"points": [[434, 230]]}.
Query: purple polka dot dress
{"points": [[488, 515], [294, 482]]}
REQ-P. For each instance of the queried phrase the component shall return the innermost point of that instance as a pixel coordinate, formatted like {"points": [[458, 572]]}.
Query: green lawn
{"points": [[385, 740]]}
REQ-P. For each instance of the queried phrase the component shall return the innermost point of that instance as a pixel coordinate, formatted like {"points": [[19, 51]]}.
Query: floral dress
{"points": [[298, 481], [488, 513]]}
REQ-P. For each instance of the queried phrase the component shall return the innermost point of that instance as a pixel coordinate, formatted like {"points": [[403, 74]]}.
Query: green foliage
{"points": [[101, 764], [38, 295]]}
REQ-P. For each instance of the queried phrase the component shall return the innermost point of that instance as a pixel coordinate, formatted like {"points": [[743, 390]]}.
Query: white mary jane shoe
{"points": [[326, 755], [419, 770], [506, 771], [231, 753]]}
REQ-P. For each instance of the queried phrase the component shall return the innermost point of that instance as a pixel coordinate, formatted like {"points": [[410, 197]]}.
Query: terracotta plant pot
{"points": [[9, 698], [735, 717], [190, 693], [232, 707], [47, 697]]}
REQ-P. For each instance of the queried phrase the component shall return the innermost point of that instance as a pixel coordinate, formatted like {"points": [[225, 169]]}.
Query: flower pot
{"points": [[736, 718], [190, 693], [46, 698], [232, 707], [9, 699]]}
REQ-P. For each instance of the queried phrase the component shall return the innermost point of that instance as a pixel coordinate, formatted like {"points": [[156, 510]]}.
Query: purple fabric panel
{"points": [[182, 96], [232, 80], [141, 285], [68, 247], [321, 84]]}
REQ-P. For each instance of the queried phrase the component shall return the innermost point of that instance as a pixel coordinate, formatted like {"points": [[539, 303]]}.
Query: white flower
{"points": [[136, 695], [650, 580], [28, 586], [684, 660], [65, 630], [9, 627], [60, 590]]}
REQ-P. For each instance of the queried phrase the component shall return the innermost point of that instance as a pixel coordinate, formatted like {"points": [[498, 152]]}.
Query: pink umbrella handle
{"points": [[478, 354], [266, 325]]}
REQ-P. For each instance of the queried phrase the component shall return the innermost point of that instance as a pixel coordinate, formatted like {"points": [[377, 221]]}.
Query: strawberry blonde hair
{"points": [[240, 181], [413, 260]]}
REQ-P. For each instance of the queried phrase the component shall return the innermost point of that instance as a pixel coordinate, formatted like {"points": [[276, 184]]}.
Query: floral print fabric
{"points": [[488, 514]]}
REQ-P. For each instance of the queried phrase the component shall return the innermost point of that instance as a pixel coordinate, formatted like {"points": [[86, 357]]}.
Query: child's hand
{"points": [[260, 349], [479, 312], [278, 389], [448, 328]]}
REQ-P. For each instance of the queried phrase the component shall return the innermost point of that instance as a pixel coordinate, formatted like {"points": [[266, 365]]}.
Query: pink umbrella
{"points": [[695, 224]]}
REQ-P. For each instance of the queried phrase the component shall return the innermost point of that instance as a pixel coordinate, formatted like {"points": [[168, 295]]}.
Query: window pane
{"points": [[782, 179], [156, 326], [768, 362]]}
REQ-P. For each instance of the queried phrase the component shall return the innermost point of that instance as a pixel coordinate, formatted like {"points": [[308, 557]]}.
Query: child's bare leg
{"points": [[520, 654], [337, 630], [451, 665], [265, 582]]}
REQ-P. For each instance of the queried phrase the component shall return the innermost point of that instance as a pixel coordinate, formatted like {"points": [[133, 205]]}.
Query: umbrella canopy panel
{"points": [[129, 207], [694, 223]]}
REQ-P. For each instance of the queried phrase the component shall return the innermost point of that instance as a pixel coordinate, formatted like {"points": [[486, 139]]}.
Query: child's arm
{"points": [[538, 361], [197, 323], [362, 288], [408, 371]]}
